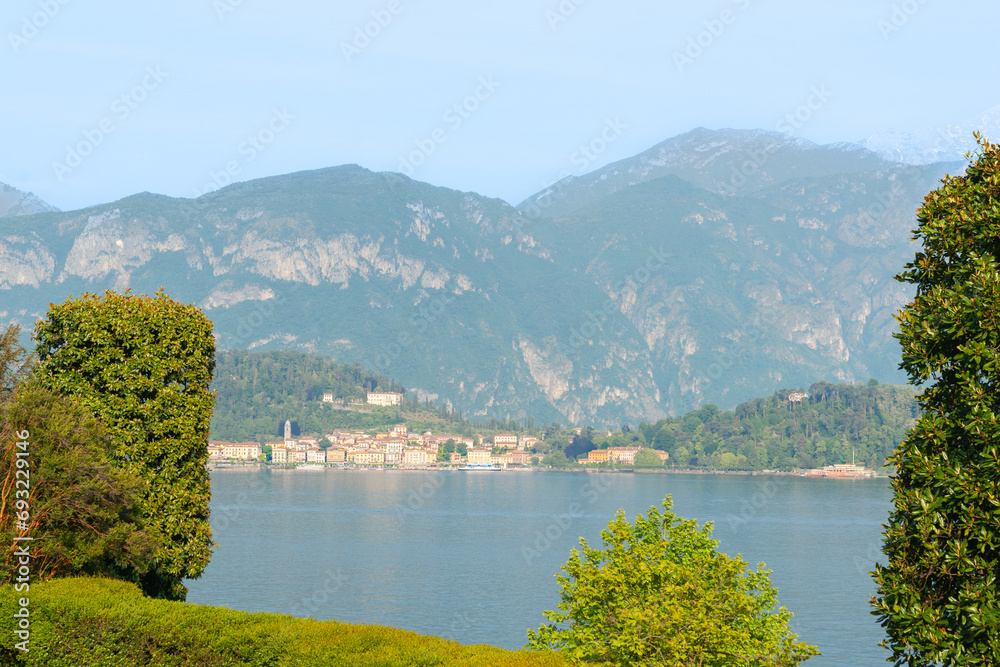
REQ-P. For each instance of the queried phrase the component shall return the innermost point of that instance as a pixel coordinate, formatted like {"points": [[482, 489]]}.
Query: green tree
{"points": [[84, 514], [14, 361], [647, 458], [938, 596], [556, 459], [659, 593], [142, 366]]}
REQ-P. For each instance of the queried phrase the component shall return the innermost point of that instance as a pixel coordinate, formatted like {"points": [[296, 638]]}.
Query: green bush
{"points": [[106, 623]]}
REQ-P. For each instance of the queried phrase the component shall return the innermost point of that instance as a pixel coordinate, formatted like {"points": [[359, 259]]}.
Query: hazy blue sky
{"points": [[200, 77]]}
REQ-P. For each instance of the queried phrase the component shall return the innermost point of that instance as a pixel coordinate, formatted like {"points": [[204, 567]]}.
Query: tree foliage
{"points": [[937, 596], [826, 424], [84, 512], [647, 458], [14, 361], [257, 391], [659, 593], [142, 366]]}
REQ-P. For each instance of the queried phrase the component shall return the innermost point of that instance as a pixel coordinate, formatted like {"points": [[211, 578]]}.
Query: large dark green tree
{"points": [[938, 595], [142, 366]]}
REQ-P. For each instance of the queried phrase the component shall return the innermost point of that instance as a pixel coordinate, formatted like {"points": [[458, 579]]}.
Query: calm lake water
{"points": [[472, 556]]}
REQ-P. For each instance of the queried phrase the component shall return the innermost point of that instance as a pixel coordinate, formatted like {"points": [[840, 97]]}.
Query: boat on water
{"points": [[842, 470], [480, 466]]}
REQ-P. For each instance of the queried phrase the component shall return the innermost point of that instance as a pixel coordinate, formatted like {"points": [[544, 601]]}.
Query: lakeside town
{"points": [[398, 447]]}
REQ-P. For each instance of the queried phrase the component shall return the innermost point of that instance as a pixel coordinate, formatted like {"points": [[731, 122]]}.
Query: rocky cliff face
{"points": [[646, 296], [429, 285], [13, 203]]}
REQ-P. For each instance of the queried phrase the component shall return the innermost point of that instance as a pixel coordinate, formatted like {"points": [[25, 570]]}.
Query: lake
{"points": [[472, 556]]}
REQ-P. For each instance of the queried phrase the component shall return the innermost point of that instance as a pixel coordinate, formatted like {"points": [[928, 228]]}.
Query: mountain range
{"points": [[14, 202], [935, 144], [716, 266]]}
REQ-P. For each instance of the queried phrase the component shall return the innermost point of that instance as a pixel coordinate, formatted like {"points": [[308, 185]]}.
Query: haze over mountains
{"points": [[716, 266], [935, 144], [13, 202]]}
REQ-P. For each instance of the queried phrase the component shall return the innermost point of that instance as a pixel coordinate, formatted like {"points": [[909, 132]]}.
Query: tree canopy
{"points": [[659, 593], [84, 512], [142, 366], [646, 458], [937, 596]]}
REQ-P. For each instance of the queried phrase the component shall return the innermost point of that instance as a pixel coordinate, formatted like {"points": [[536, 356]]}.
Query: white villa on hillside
{"points": [[384, 399]]}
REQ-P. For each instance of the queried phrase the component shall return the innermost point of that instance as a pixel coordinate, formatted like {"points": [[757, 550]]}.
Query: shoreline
{"points": [[254, 466]]}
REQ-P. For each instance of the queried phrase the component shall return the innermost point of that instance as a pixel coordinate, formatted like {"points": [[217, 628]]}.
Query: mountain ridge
{"points": [[630, 302], [14, 202]]}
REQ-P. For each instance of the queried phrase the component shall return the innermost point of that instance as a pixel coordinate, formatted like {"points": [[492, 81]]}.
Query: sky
{"points": [[103, 100]]}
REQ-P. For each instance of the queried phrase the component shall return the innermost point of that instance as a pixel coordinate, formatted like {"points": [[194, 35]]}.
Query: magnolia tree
{"points": [[659, 593], [938, 596]]}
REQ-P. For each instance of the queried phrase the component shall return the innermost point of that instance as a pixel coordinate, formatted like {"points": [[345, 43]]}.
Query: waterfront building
{"points": [[505, 441], [597, 456], [479, 456], [622, 455], [414, 457], [519, 457], [247, 451]]}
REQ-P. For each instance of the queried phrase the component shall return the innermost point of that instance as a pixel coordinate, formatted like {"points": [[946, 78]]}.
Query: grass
{"points": [[107, 623]]}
